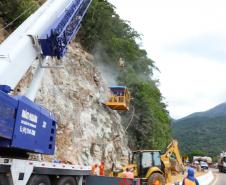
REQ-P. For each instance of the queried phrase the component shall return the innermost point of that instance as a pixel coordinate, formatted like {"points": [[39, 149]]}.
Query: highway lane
{"points": [[220, 178]]}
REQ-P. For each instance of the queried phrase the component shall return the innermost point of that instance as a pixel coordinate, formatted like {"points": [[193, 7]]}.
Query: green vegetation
{"points": [[17, 11], [104, 28], [193, 153], [206, 134]]}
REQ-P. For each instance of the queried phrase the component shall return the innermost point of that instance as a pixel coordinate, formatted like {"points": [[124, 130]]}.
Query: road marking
{"points": [[217, 177]]}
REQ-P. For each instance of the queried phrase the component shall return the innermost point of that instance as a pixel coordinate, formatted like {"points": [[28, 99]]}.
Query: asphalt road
{"points": [[220, 178]]}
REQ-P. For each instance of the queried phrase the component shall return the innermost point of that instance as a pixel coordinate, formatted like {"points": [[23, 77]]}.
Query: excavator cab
{"points": [[119, 98]]}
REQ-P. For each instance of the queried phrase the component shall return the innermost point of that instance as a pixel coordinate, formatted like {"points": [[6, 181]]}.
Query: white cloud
{"points": [[192, 84], [189, 82]]}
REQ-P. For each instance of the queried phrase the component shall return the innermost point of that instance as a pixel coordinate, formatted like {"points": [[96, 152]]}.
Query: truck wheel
{"points": [[156, 179], [39, 180], [4, 180], [66, 181]]}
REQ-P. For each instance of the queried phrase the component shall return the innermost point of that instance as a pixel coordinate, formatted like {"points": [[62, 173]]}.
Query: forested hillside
{"points": [[202, 133], [104, 29], [105, 33]]}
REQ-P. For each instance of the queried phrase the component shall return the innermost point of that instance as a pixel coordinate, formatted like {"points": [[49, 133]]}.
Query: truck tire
{"points": [[4, 179], [66, 181], [39, 180], [156, 179], [220, 169]]}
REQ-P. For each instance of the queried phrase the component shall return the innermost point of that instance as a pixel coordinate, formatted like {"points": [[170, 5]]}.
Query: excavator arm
{"points": [[173, 149], [172, 152]]}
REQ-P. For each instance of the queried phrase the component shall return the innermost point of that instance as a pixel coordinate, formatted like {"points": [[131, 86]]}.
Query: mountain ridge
{"points": [[202, 131], [217, 111]]}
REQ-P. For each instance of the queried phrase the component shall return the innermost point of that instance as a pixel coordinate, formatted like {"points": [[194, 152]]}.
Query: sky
{"points": [[187, 41]]}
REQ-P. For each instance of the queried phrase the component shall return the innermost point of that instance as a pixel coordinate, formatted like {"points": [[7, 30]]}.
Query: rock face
{"points": [[88, 132], [3, 33]]}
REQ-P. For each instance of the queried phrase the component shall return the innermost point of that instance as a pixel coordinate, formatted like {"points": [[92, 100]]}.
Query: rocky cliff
{"points": [[3, 32], [88, 131]]}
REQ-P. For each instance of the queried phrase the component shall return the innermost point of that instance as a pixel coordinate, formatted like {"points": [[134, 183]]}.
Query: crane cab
{"points": [[119, 98]]}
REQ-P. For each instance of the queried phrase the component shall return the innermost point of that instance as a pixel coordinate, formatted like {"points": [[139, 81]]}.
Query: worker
{"points": [[101, 168], [190, 179], [128, 174], [121, 63], [94, 169]]}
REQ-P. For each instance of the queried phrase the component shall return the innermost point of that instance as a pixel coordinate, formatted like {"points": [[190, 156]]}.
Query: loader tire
{"points": [[66, 181], [156, 179], [4, 179], [39, 179]]}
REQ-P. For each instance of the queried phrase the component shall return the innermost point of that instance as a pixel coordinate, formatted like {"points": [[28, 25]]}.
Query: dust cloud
{"points": [[105, 65]]}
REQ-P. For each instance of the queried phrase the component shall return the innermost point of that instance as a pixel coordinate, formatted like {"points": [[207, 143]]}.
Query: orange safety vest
{"points": [[189, 182], [94, 170], [101, 170]]}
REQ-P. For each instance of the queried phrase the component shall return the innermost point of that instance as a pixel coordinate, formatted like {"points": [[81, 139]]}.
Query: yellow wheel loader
{"points": [[152, 167], [147, 165]]}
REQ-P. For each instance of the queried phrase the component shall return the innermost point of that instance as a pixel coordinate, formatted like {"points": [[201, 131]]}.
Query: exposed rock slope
{"points": [[87, 130]]}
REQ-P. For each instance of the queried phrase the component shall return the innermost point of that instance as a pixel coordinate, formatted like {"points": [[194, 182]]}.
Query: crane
{"points": [[24, 125]]}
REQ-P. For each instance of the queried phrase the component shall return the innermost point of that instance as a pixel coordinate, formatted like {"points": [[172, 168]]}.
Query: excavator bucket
{"points": [[119, 98]]}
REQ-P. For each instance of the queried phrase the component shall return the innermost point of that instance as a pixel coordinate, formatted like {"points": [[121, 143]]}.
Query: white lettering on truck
{"points": [[29, 116]]}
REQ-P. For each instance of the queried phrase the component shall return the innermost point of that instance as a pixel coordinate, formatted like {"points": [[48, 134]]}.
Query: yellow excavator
{"points": [[152, 167]]}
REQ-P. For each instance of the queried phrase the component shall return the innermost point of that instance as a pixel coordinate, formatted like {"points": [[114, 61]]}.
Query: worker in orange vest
{"points": [[94, 169], [101, 168], [190, 179], [128, 174]]}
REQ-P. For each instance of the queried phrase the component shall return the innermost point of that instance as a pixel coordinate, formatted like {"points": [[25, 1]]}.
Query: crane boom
{"points": [[52, 23], [25, 125], [56, 38]]}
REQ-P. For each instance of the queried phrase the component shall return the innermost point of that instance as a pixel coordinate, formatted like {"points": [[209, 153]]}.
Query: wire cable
{"points": [[131, 119], [11, 23]]}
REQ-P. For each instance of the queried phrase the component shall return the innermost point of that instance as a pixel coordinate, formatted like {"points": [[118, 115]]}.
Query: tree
{"points": [[17, 11]]}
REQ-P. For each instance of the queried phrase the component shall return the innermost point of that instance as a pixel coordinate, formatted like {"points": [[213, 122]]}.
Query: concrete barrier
{"points": [[205, 179]]}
